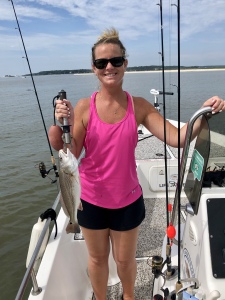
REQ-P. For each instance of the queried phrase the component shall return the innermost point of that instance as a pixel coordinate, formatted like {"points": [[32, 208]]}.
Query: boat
{"points": [[181, 246], [58, 265]]}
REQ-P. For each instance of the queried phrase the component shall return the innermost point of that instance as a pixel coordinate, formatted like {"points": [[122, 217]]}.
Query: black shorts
{"points": [[121, 219]]}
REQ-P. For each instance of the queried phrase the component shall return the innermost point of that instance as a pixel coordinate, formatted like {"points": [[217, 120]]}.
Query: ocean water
{"points": [[24, 194]]}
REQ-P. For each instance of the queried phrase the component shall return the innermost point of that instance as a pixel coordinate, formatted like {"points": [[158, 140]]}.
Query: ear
{"points": [[93, 68], [125, 64]]}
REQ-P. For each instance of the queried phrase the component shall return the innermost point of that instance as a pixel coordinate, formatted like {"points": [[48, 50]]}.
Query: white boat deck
{"points": [[71, 255], [67, 263]]}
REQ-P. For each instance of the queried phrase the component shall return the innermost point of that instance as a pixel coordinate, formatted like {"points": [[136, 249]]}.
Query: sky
{"points": [[59, 34]]}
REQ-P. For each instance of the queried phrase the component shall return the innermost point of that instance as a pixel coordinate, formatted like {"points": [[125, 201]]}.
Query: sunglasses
{"points": [[101, 63]]}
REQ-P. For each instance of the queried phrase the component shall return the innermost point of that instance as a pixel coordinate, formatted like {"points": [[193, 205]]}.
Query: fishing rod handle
{"points": [[157, 92], [62, 95], [65, 126], [165, 93]]}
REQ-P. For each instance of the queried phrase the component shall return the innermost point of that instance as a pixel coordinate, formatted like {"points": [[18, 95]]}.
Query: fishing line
{"points": [[36, 94], [159, 79], [170, 30]]}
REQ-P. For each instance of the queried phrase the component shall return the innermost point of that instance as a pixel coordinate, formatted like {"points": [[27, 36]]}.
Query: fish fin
{"points": [[72, 228]]}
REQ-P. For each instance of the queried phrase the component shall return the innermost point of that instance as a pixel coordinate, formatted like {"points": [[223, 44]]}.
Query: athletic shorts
{"points": [[121, 219]]}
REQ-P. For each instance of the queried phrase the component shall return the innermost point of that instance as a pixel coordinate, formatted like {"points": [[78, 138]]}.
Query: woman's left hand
{"points": [[217, 104]]}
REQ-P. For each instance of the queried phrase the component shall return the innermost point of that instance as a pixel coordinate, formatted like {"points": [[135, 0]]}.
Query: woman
{"points": [[106, 125]]}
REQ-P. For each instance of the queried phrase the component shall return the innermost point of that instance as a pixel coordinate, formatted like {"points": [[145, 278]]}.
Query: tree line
{"points": [[129, 69]]}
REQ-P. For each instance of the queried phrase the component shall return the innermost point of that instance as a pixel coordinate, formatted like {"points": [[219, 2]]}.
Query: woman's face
{"points": [[109, 76]]}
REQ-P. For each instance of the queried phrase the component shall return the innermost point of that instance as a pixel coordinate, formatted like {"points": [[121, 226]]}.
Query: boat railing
{"points": [[196, 115], [30, 271]]}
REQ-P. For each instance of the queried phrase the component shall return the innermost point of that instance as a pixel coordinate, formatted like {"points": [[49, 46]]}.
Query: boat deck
{"points": [[150, 240], [152, 232]]}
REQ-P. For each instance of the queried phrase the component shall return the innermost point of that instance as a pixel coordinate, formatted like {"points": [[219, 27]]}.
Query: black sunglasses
{"points": [[101, 63]]}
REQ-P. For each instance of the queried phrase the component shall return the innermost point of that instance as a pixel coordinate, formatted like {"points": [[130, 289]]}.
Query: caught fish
{"points": [[69, 181]]}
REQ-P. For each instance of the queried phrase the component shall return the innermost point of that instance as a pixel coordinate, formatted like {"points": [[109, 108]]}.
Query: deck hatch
{"points": [[216, 223]]}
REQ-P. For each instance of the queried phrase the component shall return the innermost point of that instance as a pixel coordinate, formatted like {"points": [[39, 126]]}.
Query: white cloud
{"points": [[135, 17], [54, 27], [24, 11], [43, 41], [199, 16]]}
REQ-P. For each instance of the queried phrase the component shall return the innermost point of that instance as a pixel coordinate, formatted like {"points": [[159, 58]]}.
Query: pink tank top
{"points": [[108, 170]]}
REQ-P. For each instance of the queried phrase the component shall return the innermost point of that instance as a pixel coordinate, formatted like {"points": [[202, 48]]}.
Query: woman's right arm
{"points": [[77, 119]]}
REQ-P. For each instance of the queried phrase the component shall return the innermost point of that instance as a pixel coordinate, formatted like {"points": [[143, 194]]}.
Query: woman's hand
{"points": [[64, 109], [217, 104]]}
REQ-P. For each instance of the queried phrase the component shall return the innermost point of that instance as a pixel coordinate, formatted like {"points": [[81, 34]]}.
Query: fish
{"points": [[69, 181]]}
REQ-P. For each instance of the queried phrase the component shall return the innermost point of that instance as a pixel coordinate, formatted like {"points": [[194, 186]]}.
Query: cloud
{"points": [[54, 27], [127, 16], [199, 16], [24, 12], [133, 18], [46, 42]]}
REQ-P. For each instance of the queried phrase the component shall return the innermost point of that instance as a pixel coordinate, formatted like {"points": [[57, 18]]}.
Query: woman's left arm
{"points": [[217, 104], [147, 115]]}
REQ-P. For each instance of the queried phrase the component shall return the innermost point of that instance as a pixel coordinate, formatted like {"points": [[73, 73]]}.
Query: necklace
{"points": [[115, 111]]}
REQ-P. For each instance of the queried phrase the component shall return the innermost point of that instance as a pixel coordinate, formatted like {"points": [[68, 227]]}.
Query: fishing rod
{"points": [[157, 261], [178, 284], [168, 249], [163, 93], [36, 94]]}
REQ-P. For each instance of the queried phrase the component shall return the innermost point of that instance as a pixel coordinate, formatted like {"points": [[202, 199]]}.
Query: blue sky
{"points": [[59, 34]]}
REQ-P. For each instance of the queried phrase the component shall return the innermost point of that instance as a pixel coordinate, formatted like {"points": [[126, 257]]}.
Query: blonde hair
{"points": [[109, 36]]}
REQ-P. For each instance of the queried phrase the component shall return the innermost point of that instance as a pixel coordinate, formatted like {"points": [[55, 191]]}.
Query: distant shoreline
{"points": [[182, 70], [135, 69], [159, 71], [73, 72]]}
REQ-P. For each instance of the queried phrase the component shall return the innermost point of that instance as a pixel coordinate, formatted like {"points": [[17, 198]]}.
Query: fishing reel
{"points": [[157, 265], [44, 173]]}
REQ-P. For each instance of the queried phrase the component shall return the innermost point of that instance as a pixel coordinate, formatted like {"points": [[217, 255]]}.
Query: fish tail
{"points": [[73, 228]]}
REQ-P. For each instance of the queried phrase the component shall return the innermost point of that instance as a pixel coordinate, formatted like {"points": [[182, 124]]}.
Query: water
{"points": [[24, 193]]}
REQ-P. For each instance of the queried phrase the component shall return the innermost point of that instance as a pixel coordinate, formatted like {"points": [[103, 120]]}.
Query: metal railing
{"points": [[200, 112]]}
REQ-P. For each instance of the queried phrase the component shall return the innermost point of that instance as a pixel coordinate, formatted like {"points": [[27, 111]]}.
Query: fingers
{"points": [[63, 109], [218, 104]]}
